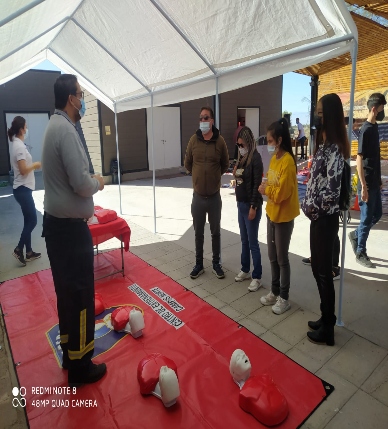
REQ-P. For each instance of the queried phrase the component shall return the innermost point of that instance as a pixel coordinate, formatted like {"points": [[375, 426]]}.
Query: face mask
{"points": [[204, 127], [317, 122], [380, 116], [26, 134], [271, 149], [82, 110], [243, 151]]}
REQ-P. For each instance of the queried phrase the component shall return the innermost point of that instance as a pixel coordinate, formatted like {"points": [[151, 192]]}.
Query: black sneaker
{"points": [[93, 373], [363, 259], [306, 261], [197, 271], [218, 271], [32, 256], [18, 254], [353, 241], [336, 271]]}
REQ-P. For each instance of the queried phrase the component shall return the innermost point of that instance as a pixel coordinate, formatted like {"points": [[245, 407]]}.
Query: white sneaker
{"points": [[269, 299], [242, 276], [281, 306], [255, 285]]}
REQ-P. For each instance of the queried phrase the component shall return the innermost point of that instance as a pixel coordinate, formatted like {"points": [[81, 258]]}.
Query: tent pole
{"points": [[217, 118], [314, 99], [217, 106], [345, 213], [118, 158], [153, 158]]}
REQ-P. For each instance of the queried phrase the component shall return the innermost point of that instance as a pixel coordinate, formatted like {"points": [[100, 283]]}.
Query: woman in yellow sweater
{"points": [[282, 208]]}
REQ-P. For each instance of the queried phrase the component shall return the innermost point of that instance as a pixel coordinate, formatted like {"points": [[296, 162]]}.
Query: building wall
{"points": [[32, 91], [91, 130], [132, 125], [266, 95], [132, 132]]}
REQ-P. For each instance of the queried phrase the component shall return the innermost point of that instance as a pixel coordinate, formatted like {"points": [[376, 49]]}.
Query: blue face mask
{"points": [[271, 149], [82, 110]]}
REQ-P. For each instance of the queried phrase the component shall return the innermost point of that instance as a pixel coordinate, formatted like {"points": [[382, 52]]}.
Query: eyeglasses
{"points": [[240, 145], [204, 118], [80, 92]]}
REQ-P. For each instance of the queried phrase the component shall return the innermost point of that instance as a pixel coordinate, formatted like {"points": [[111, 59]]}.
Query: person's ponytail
{"points": [[17, 124]]}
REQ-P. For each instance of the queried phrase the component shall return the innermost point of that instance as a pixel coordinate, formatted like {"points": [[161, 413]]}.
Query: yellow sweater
{"points": [[282, 189]]}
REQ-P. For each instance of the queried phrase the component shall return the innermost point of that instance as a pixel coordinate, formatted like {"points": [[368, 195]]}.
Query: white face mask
{"points": [[204, 127], [243, 151], [26, 134]]}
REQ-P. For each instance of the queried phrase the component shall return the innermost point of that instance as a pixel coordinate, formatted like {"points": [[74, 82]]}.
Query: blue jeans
{"points": [[249, 231], [23, 196], [371, 213]]}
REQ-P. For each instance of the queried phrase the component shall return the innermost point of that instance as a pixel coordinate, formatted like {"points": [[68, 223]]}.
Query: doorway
{"points": [[250, 117], [36, 124], [167, 137]]}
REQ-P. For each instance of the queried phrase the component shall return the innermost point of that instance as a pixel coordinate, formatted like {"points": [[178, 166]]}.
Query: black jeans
{"points": [[70, 251], [23, 196], [323, 234], [211, 206]]}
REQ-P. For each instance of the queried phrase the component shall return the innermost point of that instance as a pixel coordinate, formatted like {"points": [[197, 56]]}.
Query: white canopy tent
{"points": [[135, 54]]}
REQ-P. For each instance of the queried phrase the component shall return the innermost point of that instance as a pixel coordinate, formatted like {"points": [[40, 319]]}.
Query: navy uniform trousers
{"points": [[70, 251]]}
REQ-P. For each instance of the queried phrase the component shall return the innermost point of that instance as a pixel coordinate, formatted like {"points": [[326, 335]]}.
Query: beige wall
{"points": [[90, 128]]}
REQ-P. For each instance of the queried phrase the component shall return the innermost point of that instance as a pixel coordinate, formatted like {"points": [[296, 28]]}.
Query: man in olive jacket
{"points": [[207, 159]]}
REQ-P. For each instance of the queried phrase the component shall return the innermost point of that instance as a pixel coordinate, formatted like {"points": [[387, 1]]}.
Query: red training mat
{"points": [[178, 324]]}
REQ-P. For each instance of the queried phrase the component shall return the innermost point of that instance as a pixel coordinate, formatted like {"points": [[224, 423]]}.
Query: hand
{"points": [[251, 214], [364, 194], [100, 181], [37, 165], [262, 188]]}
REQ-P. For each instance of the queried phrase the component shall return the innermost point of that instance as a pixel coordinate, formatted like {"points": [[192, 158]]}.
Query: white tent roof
{"points": [[124, 50]]}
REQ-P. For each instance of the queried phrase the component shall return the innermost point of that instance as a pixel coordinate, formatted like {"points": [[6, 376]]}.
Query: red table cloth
{"points": [[105, 231]]}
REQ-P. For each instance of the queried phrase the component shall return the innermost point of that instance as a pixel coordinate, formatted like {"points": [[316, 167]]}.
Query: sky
{"points": [[296, 93]]}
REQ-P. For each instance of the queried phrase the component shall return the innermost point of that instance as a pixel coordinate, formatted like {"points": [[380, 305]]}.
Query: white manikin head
{"points": [[240, 365]]}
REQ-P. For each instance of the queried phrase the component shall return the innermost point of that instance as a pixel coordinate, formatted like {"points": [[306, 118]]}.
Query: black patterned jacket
{"points": [[324, 185]]}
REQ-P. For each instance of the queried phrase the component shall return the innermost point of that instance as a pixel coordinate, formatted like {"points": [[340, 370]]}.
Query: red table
{"points": [[105, 231]]}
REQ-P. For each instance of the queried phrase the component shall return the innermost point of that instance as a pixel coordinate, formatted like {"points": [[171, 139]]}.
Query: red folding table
{"points": [[105, 231]]}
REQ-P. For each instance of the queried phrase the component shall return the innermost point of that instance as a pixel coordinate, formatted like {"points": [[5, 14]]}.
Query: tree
{"points": [[286, 112]]}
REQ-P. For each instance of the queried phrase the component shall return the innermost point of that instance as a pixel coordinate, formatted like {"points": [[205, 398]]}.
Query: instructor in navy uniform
{"points": [[68, 203]]}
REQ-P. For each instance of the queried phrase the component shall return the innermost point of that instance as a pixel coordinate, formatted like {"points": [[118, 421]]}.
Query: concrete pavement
{"points": [[357, 365]]}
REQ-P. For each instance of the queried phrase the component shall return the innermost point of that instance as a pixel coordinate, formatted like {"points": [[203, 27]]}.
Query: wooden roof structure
{"points": [[372, 59]]}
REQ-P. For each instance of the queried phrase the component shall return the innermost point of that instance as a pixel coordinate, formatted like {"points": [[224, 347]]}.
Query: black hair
{"points": [[375, 100], [209, 109], [64, 86], [280, 129], [333, 124], [17, 124]]}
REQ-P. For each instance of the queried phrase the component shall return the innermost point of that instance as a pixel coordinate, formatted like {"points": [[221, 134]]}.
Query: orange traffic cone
{"points": [[355, 205]]}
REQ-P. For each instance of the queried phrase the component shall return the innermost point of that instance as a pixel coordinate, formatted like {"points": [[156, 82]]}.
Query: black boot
{"points": [[316, 325], [91, 373], [323, 335]]}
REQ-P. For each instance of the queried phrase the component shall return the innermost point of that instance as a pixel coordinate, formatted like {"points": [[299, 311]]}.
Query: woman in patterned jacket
{"points": [[321, 206]]}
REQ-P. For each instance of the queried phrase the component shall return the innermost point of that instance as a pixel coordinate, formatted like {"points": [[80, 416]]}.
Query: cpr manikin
{"points": [[259, 395], [128, 319], [157, 375]]}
